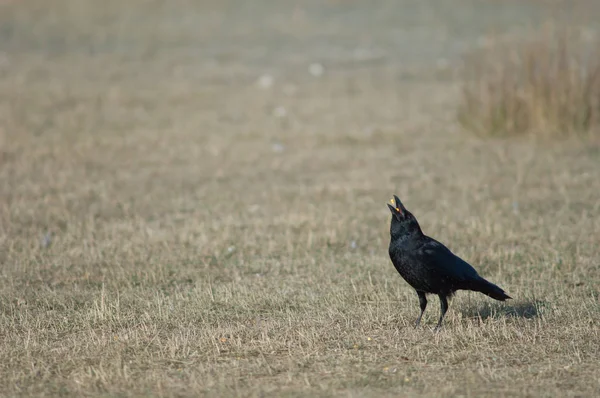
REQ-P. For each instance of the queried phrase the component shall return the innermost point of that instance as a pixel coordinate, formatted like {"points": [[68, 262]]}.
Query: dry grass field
{"points": [[192, 203]]}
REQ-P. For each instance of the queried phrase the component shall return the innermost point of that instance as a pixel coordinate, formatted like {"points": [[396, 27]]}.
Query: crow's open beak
{"points": [[393, 208], [399, 206]]}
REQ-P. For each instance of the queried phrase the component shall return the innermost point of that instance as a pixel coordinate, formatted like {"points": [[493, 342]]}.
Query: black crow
{"points": [[429, 266]]}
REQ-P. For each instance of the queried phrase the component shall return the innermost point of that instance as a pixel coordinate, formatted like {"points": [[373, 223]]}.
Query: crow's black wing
{"points": [[439, 259]]}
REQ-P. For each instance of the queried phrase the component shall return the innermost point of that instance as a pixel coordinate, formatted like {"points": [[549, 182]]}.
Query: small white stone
{"points": [[46, 240], [280, 111], [278, 148], [265, 81], [515, 207], [316, 69]]}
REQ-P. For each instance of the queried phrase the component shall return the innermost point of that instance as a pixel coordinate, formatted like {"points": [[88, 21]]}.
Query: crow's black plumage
{"points": [[429, 266]]}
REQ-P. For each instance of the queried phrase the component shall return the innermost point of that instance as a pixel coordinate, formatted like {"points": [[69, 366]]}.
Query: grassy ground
{"points": [[169, 227]]}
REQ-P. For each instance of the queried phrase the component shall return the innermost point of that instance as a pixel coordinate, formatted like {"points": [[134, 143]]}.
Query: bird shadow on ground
{"points": [[526, 309]]}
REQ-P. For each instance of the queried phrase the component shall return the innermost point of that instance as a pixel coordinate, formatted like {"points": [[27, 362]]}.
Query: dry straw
{"points": [[548, 86]]}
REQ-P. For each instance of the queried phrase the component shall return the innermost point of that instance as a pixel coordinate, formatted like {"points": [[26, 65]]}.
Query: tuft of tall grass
{"points": [[548, 86]]}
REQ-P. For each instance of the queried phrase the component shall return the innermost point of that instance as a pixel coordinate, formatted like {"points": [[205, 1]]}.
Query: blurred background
{"points": [[192, 194]]}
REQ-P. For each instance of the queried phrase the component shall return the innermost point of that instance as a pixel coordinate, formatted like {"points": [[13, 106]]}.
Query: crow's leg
{"points": [[444, 304], [423, 304]]}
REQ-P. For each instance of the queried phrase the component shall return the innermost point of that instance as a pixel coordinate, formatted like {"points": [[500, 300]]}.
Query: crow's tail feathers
{"points": [[489, 289]]}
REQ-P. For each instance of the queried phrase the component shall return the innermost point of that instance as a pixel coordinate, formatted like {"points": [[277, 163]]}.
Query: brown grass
{"points": [[162, 233], [548, 86]]}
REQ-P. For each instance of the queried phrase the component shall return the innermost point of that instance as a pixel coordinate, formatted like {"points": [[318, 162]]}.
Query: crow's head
{"points": [[403, 222]]}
